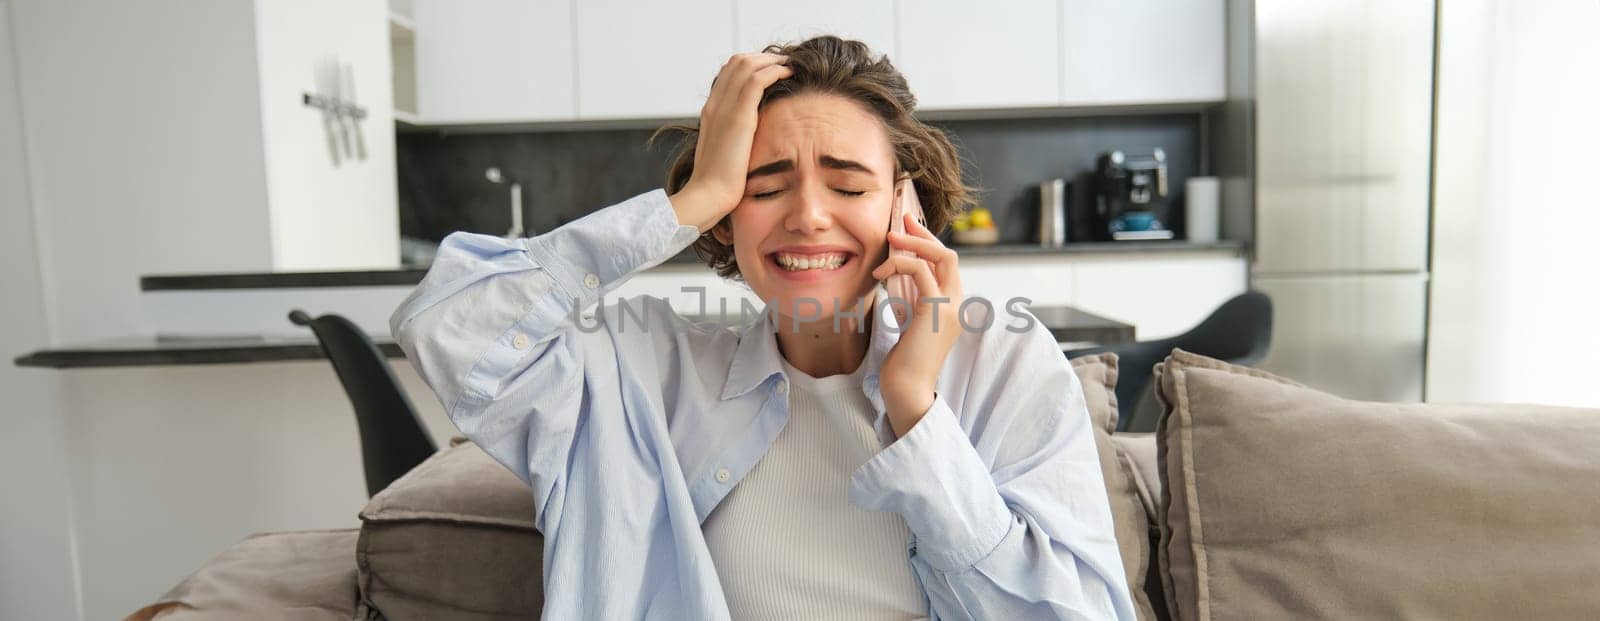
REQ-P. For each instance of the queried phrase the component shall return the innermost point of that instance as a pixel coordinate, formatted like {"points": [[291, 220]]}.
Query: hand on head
{"points": [[727, 131]]}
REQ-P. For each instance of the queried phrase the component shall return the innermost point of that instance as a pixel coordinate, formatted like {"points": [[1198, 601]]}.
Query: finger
{"points": [[719, 84], [915, 227], [927, 285], [944, 259], [760, 80], [919, 270], [761, 59], [887, 268], [728, 83], [931, 250], [745, 65]]}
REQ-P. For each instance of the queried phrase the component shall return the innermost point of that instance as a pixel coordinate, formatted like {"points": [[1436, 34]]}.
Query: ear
{"points": [[723, 232]]}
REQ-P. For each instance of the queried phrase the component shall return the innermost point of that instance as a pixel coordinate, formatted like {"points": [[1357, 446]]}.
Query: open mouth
{"points": [[809, 266]]}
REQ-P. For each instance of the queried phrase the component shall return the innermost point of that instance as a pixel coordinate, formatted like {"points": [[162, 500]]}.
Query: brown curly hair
{"points": [[829, 64]]}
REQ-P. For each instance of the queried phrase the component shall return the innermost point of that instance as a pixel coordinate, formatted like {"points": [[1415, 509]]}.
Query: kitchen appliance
{"points": [[1053, 213], [1134, 194], [1124, 198], [1342, 128]]}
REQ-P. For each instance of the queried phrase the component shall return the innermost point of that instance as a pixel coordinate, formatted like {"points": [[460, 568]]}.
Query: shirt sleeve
{"points": [[493, 327], [1010, 521]]}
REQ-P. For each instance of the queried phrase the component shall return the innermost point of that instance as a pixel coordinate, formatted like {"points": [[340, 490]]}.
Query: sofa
{"points": [[1256, 498]]}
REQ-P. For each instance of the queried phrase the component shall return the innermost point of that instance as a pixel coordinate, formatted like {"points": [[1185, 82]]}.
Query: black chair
{"points": [[393, 440], [1239, 331]]}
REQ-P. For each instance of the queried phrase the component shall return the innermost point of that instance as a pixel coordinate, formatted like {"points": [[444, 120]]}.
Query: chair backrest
{"points": [[1239, 331], [393, 439]]}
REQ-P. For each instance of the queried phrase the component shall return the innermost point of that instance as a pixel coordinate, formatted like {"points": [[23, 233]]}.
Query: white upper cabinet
{"points": [[963, 54], [494, 60], [760, 22], [640, 59], [1142, 51], [498, 61]]}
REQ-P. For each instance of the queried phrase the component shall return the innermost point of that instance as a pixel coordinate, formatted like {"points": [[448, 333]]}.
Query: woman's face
{"points": [[815, 213]]}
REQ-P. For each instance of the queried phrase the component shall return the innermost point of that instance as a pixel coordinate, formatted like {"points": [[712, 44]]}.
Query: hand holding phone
{"points": [[901, 285], [912, 368]]}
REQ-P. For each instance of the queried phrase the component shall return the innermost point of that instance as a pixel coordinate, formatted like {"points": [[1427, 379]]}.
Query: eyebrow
{"points": [[827, 161]]}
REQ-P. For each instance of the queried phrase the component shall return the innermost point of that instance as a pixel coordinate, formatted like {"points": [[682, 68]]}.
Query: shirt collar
{"points": [[756, 357]]}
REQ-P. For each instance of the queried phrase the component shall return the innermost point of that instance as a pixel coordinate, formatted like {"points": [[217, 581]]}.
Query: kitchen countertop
{"points": [[687, 258], [1067, 324]]}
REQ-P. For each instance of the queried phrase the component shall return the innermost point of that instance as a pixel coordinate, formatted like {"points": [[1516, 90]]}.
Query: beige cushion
{"points": [[1098, 375], [1287, 503], [452, 539], [1138, 451], [294, 575]]}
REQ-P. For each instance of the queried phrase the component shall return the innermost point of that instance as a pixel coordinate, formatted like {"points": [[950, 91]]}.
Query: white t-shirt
{"points": [[786, 542]]}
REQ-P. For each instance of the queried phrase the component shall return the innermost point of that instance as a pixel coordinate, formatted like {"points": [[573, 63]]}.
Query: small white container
{"points": [[1202, 208]]}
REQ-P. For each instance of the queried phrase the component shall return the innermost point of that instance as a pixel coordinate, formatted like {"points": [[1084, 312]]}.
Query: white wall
{"points": [[131, 142], [171, 465], [1515, 291], [37, 576], [326, 215], [145, 146]]}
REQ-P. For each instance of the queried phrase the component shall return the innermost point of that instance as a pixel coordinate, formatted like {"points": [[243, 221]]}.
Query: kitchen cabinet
{"points": [[331, 196], [760, 22], [646, 60], [531, 61], [1162, 296], [958, 54], [494, 60], [1118, 52]]}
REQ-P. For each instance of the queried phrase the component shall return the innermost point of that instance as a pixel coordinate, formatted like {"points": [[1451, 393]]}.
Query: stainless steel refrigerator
{"points": [[1342, 98]]}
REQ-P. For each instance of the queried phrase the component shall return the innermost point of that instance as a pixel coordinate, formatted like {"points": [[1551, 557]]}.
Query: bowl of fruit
{"points": [[974, 228]]}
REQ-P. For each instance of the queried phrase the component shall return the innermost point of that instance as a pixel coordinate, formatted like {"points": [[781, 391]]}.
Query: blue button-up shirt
{"points": [[631, 427]]}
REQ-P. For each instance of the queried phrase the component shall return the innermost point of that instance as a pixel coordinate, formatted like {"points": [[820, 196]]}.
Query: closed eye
{"points": [[772, 193]]}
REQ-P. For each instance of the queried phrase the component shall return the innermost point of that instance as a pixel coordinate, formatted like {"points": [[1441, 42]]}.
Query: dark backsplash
{"points": [[567, 174]]}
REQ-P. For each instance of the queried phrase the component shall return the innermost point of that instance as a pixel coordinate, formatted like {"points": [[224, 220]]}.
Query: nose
{"points": [[808, 212]]}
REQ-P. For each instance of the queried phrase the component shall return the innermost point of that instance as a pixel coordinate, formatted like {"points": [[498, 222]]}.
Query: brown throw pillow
{"points": [[1098, 375], [266, 576], [453, 539], [1283, 502]]}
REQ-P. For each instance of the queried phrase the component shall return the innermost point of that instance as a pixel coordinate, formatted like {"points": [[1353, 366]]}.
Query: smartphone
{"points": [[903, 286]]}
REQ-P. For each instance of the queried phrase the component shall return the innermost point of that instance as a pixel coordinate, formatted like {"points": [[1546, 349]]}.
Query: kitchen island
{"points": [[1102, 293], [1067, 324]]}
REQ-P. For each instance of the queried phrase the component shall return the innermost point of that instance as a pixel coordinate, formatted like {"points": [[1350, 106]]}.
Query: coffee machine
{"points": [[1124, 198]]}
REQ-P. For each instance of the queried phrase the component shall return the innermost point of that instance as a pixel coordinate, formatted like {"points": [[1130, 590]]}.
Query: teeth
{"points": [[797, 263]]}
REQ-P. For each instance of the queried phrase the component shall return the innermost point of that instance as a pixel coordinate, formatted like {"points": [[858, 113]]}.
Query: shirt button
{"points": [[783, 388], [520, 342], [591, 281], [723, 475]]}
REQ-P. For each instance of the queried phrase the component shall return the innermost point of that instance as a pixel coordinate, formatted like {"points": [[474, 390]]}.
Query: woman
{"points": [[792, 469]]}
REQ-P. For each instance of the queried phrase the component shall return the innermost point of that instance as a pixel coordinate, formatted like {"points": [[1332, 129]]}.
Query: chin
{"points": [[796, 301]]}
